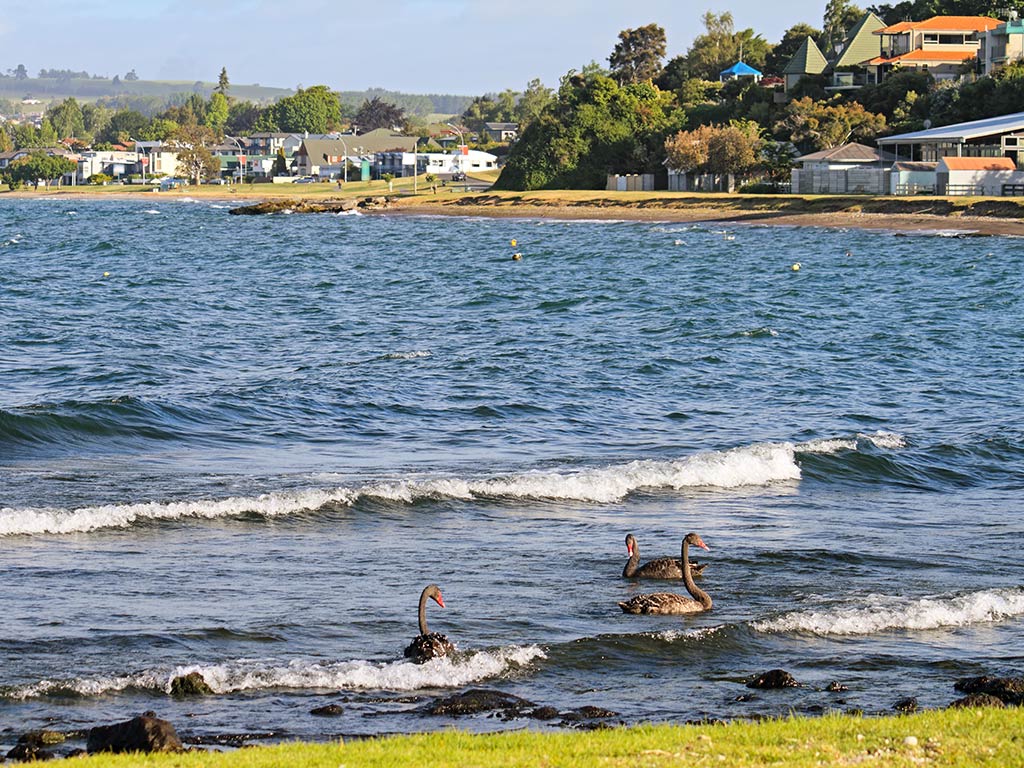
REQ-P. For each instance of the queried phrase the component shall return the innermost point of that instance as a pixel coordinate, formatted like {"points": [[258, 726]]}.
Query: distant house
{"points": [[808, 61], [446, 165], [155, 157], [1003, 44], [267, 143], [502, 132], [939, 45], [991, 176], [325, 157], [114, 163], [850, 169]]}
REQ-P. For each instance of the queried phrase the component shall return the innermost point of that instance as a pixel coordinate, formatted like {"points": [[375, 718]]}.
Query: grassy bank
{"points": [[979, 737]]}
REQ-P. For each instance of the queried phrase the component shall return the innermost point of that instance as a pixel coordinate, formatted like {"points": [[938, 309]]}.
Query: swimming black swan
{"points": [[667, 602], [662, 568], [428, 645]]}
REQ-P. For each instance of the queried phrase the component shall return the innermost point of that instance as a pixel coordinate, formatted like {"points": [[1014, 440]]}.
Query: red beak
{"points": [[629, 550], [440, 600], [702, 545]]}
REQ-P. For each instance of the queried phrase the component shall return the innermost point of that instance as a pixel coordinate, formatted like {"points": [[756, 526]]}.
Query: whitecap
{"points": [[885, 613], [151, 211], [302, 674]]}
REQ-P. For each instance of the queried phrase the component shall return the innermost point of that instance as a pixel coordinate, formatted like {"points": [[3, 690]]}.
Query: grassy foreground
{"points": [[964, 737]]}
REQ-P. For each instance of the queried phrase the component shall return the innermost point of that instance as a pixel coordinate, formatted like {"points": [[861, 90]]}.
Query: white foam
{"points": [[884, 613], [759, 464], [152, 211], [405, 355], [880, 439], [262, 674]]}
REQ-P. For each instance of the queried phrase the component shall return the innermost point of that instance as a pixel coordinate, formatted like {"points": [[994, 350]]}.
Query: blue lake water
{"points": [[243, 445]]}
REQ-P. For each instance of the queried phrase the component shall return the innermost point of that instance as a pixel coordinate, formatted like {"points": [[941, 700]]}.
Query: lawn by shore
{"points": [[982, 216], [953, 737]]}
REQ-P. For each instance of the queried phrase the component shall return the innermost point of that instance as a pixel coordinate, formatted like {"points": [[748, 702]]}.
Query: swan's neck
{"points": [[423, 614], [698, 594], [633, 563]]}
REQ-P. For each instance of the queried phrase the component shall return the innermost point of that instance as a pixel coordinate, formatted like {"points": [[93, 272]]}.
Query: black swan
{"points": [[662, 568], [667, 602], [428, 645]]}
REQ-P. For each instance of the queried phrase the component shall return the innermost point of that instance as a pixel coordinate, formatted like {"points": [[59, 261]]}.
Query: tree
{"points": [[375, 113], [242, 117], [674, 74], [638, 54], [792, 39], [314, 110], [720, 149], [721, 46], [20, 73], [281, 163], [840, 16], [67, 119], [95, 117], [131, 76], [222, 82], [216, 112], [39, 167], [194, 160], [127, 122], [6, 143], [534, 101], [819, 125]]}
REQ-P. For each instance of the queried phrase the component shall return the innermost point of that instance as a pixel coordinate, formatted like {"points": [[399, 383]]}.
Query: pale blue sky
{"points": [[421, 46]]}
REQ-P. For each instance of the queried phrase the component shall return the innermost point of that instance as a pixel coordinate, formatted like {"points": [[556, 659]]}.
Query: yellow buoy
{"points": [[512, 243], [796, 267], [106, 274]]}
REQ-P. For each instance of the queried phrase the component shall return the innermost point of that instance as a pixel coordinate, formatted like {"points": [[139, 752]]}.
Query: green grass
{"points": [[981, 737]]}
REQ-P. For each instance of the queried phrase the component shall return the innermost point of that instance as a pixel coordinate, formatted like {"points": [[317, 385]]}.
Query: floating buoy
{"points": [[517, 257], [796, 267], [106, 274], [512, 243]]}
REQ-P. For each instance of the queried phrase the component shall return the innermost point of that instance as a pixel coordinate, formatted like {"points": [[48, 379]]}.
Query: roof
{"points": [[740, 69], [979, 163], [501, 126], [941, 55], [915, 165], [847, 153], [366, 144], [944, 24], [861, 43], [961, 132], [808, 60]]}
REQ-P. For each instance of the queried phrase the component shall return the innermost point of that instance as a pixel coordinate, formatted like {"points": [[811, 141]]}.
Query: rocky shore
{"points": [[149, 733]]}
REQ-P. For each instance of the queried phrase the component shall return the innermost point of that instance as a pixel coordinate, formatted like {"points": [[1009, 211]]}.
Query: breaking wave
{"points": [[759, 464], [895, 614], [249, 674]]}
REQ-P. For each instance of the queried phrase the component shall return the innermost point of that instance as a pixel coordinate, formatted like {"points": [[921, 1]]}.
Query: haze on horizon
{"points": [[465, 47]]}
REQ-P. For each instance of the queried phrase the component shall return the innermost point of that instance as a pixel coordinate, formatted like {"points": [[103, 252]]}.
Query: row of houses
{"points": [[364, 156], [942, 46]]}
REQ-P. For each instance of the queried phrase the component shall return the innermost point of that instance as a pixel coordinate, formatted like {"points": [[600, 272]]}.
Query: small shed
{"points": [[989, 176], [738, 70], [912, 178]]}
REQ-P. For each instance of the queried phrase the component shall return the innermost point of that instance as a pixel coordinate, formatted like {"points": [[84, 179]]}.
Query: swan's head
{"points": [[434, 593], [696, 541], [630, 544]]}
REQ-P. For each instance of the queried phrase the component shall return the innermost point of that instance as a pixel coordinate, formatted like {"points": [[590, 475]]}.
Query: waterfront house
{"points": [[939, 46]]}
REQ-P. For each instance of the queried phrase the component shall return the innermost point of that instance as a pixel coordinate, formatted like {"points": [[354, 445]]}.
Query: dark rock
{"points": [[906, 705], [836, 687], [30, 746], [746, 697], [543, 713], [477, 700], [328, 710], [773, 678], [192, 684], [298, 206], [1010, 690], [594, 713], [974, 700], [140, 734]]}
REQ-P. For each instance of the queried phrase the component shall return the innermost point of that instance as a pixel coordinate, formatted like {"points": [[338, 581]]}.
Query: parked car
{"points": [[307, 180]]}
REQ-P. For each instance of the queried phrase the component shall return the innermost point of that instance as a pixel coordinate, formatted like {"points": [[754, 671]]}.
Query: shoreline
{"points": [[965, 216]]}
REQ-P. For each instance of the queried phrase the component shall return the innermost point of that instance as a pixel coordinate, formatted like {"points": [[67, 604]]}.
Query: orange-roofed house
{"points": [[991, 176], [940, 46]]}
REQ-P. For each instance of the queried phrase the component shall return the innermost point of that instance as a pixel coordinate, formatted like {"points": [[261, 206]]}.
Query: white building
{"points": [[441, 164]]}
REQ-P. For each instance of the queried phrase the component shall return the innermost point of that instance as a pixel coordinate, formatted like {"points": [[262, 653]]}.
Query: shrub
{"points": [[100, 178]]}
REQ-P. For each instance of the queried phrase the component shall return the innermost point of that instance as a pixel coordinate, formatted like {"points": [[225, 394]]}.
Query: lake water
{"points": [[243, 445]]}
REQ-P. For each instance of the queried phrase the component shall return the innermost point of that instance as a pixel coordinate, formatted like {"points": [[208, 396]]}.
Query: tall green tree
{"points": [[195, 160], [222, 82], [721, 46], [20, 73], [38, 168], [315, 110], [216, 116], [638, 54], [816, 125], [840, 16], [535, 99], [67, 119]]}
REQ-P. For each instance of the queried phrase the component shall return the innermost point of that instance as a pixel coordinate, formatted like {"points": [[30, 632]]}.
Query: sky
{"points": [[465, 47]]}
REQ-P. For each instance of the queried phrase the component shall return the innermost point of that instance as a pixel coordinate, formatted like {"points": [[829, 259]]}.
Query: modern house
{"points": [[939, 46], [157, 158], [503, 133], [1001, 136], [267, 143], [1003, 44], [114, 163], [325, 157]]}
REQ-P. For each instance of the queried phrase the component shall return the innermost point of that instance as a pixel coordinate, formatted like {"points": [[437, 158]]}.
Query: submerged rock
{"points": [[836, 687], [328, 710], [773, 678], [30, 746], [310, 206], [907, 705], [477, 700], [140, 734], [1009, 690], [192, 684], [975, 700]]}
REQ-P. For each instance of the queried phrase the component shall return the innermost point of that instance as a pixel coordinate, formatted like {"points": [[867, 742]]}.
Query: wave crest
{"points": [[890, 613]]}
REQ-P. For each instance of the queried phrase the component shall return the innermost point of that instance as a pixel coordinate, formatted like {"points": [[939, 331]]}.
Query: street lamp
{"points": [[462, 145], [241, 156]]}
